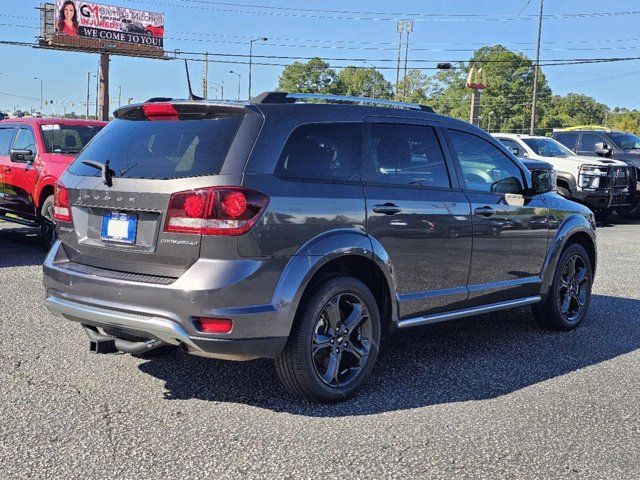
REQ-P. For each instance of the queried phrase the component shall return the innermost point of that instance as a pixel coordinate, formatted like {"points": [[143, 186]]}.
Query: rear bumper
{"points": [[167, 312]]}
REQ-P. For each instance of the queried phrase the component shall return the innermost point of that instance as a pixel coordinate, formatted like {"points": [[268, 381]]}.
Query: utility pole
{"points": [[261, 39], [104, 88], [535, 75], [88, 87], [205, 78]]}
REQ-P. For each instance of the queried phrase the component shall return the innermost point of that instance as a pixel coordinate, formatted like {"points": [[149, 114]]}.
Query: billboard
{"points": [[76, 19]]}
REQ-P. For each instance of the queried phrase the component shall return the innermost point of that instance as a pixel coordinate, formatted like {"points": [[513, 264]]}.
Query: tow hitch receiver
{"points": [[102, 345], [99, 343]]}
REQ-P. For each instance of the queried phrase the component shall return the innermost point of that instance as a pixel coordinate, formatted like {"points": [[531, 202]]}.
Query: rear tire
{"points": [[48, 234], [568, 300], [333, 343]]}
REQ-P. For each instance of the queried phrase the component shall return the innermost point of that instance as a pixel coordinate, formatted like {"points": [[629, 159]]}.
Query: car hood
{"points": [[600, 161]]}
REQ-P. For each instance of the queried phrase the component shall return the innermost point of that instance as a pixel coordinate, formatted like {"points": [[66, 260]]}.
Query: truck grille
{"points": [[620, 176]]}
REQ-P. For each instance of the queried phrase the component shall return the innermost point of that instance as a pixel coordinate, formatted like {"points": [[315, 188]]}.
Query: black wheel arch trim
{"points": [[571, 227], [317, 253]]}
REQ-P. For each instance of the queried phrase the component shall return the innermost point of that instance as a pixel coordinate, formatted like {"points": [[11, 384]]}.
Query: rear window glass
{"points": [[567, 139], [161, 149], [67, 139]]}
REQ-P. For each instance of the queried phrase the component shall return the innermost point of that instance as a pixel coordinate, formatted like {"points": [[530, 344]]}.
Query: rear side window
{"points": [[161, 149], [67, 139], [405, 155], [323, 151], [567, 139], [588, 142], [6, 134]]}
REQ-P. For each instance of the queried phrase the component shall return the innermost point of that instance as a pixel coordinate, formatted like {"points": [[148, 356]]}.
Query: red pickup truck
{"points": [[34, 152]]}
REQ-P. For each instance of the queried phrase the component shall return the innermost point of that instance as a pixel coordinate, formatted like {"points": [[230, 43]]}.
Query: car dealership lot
{"points": [[493, 396]]}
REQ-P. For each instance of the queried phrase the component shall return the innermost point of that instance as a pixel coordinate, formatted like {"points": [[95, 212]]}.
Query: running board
{"points": [[19, 221], [467, 312]]}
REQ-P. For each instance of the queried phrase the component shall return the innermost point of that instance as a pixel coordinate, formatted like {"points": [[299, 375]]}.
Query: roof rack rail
{"points": [[285, 97]]}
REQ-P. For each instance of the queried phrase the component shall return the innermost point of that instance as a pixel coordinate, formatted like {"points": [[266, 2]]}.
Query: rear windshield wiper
{"points": [[107, 173]]}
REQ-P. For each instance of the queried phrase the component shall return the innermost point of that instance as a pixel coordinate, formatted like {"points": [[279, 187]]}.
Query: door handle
{"points": [[387, 209], [485, 211]]}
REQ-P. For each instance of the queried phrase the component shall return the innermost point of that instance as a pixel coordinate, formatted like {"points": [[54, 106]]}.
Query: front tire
{"points": [[631, 211], [334, 342], [568, 300]]}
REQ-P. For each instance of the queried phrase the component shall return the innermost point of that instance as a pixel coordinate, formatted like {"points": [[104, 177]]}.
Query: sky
{"points": [[364, 30]]}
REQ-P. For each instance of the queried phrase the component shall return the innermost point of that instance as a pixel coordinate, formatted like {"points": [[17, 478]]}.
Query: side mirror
{"points": [[543, 181], [515, 151], [603, 149], [19, 155]]}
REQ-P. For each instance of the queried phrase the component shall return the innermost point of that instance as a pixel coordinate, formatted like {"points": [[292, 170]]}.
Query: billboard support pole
{"points": [[104, 87]]}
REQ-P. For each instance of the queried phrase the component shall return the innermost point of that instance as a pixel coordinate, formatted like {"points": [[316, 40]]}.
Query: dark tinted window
{"points": [[6, 134], [513, 146], [547, 147], [323, 151], [485, 168], [625, 141], [161, 149], [405, 155], [67, 138], [567, 139], [589, 140], [24, 140]]}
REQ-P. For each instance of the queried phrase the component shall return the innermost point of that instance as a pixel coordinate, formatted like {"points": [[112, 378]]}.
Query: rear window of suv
{"points": [[161, 149], [67, 139]]}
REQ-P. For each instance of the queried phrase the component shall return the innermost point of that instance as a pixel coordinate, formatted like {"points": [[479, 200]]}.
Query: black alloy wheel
{"points": [[573, 288], [341, 340]]}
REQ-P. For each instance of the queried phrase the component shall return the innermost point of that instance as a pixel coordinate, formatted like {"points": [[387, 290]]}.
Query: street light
{"points": [[239, 78], [119, 94], [41, 102], [261, 39], [88, 91], [221, 85]]}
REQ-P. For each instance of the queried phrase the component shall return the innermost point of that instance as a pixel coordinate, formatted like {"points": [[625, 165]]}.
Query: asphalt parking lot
{"points": [[488, 397]]}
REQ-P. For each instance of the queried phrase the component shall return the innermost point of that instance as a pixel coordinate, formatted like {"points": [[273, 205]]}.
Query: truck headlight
{"points": [[590, 175]]}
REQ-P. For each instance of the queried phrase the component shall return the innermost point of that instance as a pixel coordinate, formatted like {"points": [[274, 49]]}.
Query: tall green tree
{"points": [[363, 82], [314, 76], [572, 110], [416, 87]]}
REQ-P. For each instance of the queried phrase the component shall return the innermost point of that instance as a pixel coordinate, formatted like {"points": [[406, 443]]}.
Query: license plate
{"points": [[119, 227]]}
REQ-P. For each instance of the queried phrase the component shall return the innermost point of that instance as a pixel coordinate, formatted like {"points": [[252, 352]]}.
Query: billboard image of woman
{"points": [[68, 19]]}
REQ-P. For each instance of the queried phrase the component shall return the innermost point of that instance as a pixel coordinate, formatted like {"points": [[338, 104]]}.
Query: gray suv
{"points": [[305, 231]]}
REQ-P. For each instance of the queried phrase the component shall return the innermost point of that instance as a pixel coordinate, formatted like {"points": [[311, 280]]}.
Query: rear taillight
{"points": [[159, 111], [215, 211], [61, 205]]}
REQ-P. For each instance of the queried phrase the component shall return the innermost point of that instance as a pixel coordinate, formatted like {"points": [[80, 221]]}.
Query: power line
{"points": [[291, 12]]}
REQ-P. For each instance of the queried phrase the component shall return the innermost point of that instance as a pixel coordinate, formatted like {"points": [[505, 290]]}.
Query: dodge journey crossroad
{"points": [[305, 231]]}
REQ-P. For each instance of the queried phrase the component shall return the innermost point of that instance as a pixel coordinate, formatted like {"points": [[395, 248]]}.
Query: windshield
{"points": [[160, 149], [547, 147], [625, 141], [67, 139]]}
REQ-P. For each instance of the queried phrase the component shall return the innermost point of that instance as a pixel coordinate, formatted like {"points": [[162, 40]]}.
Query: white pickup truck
{"points": [[599, 183]]}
